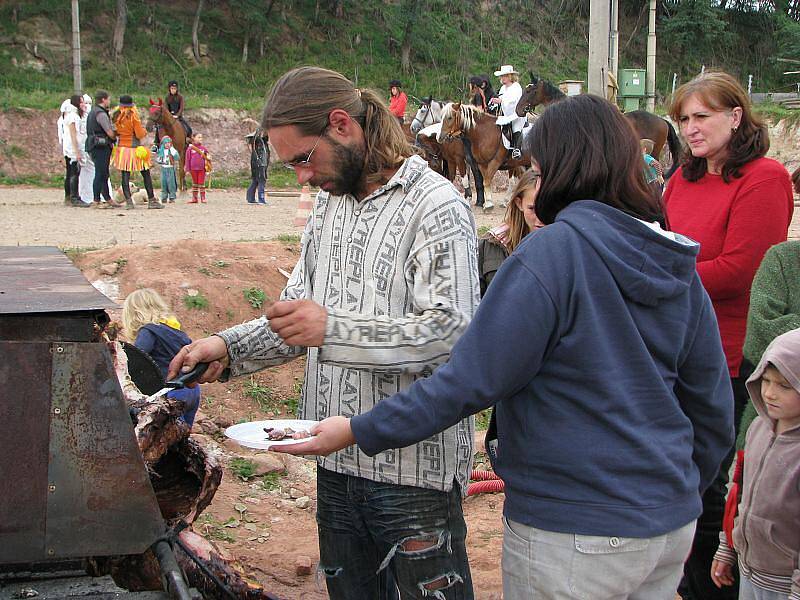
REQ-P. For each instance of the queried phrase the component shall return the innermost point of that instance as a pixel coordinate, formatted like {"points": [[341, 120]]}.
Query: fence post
{"points": [[674, 82], [749, 85]]}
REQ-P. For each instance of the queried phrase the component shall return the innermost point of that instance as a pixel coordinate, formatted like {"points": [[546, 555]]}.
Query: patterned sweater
{"points": [[397, 273]]}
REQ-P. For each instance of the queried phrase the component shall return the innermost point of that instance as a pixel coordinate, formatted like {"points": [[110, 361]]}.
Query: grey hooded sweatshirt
{"points": [[766, 533]]}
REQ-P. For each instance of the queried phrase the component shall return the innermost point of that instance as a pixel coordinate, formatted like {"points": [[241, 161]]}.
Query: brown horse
{"points": [[449, 159], [170, 126], [647, 125], [482, 139]]}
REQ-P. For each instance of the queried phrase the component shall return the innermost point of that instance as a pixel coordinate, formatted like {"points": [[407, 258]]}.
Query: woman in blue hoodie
{"points": [[599, 347]]}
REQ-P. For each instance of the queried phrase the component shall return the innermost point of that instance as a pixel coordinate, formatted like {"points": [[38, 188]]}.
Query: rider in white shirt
{"points": [[509, 94]]}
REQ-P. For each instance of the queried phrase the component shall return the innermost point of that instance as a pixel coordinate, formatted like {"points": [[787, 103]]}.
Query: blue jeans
{"points": [[169, 185], [378, 538], [255, 182]]}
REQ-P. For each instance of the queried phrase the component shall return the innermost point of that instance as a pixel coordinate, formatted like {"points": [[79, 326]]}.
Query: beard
{"points": [[348, 168]]}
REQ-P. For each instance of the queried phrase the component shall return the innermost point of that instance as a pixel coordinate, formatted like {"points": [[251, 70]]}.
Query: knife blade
{"points": [[181, 381]]}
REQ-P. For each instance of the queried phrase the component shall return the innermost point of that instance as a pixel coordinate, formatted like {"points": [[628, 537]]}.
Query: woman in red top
{"points": [[397, 100], [737, 204]]}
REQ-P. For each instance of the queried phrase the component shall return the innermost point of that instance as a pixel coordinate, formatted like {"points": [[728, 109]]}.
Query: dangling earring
{"points": [[734, 128]]}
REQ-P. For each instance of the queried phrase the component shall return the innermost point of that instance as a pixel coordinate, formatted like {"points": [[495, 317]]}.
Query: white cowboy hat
{"points": [[506, 70]]}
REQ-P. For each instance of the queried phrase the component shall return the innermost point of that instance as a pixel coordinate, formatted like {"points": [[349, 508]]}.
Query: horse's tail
{"points": [[674, 145]]}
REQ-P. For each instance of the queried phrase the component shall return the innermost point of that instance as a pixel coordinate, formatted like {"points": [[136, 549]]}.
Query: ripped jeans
{"points": [[378, 538]]}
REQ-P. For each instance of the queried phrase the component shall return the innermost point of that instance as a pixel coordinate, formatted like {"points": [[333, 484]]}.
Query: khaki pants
{"points": [[544, 565]]}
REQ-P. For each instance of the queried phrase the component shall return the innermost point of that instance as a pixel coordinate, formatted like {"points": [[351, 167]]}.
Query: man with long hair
{"points": [[385, 284]]}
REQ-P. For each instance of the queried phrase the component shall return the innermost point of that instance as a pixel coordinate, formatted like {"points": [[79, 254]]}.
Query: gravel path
{"points": [[37, 216]]}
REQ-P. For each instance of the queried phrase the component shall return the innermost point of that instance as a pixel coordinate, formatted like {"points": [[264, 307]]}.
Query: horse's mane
{"points": [[551, 90], [469, 115]]}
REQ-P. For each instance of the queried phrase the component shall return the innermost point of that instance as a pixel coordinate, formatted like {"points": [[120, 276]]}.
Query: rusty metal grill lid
{"points": [[41, 279]]}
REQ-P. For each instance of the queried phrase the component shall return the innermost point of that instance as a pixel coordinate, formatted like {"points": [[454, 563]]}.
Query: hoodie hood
{"points": [[648, 264], [784, 354]]}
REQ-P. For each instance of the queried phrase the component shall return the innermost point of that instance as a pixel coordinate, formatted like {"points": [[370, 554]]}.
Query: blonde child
{"points": [[151, 325], [766, 532]]}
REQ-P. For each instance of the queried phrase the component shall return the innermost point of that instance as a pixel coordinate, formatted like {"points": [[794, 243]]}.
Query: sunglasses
{"points": [[305, 162]]}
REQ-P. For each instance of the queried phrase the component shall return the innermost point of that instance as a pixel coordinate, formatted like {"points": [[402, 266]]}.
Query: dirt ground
{"points": [[37, 216], [209, 252], [265, 522]]}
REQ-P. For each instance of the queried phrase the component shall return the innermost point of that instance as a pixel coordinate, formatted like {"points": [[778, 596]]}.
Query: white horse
{"points": [[429, 113]]}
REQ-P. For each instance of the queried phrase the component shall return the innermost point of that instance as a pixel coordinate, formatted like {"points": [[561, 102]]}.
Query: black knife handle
{"points": [[183, 379]]}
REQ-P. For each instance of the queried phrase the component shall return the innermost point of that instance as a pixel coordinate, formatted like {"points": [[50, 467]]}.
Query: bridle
{"points": [[428, 113]]}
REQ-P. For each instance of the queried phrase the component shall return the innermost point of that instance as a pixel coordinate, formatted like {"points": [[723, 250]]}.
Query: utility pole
{"points": [[613, 58], [650, 87], [77, 77], [599, 26]]}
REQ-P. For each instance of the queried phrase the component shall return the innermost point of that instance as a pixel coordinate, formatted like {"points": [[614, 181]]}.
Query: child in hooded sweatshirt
{"points": [[148, 320], [168, 157], [766, 533]]}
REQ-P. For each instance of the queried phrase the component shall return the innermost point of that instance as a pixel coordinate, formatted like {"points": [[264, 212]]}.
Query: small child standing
{"points": [[168, 157], [653, 171], [766, 533], [198, 163], [259, 162], [148, 321]]}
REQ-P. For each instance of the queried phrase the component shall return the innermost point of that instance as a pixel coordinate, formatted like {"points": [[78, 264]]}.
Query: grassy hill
{"points": [[450, 41]]}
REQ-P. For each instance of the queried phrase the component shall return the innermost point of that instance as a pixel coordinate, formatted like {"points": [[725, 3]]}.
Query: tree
{"points": [[119, 28], [252, 16], [410, 10], [696, 31], [195, 29]]}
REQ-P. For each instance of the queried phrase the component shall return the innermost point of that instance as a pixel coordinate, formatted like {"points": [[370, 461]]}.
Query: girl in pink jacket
{"points": [[198, 163]]}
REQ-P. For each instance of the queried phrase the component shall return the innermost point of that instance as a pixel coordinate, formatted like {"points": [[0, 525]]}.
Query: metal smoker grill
{"points": [[74, 484]]}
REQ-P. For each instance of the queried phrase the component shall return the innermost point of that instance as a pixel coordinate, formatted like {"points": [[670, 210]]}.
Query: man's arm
{"points": [[443, 282], [104, 122]]}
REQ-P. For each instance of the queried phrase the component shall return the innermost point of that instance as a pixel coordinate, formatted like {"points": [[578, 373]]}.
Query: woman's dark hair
{"points": [[719, 91], [586, 150], [76, 100]]}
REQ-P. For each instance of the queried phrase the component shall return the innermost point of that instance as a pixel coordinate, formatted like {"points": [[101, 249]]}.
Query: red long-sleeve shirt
{"points": [[735, 224], [397, 104]]}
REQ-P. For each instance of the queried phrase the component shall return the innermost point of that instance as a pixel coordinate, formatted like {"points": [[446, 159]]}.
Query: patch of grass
{"points": [[198, 302], [271, 481], [13, 151], [281, 177], [482, 419], [243, 468], [121, 262], [483, 230], [77, 251], [215, 530], [288, 238], [229, 314], [255, 296], [206, 271], [46, 180], [261, 394]]}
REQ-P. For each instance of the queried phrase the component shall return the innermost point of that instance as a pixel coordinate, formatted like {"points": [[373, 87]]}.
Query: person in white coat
{"points": [[86, 175], [72, 146], [509, 94]]}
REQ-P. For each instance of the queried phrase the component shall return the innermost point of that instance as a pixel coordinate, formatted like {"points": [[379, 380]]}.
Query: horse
{"points": [[647, 125], [158, 115], [447, 158], [483, 140], [429, 113]]}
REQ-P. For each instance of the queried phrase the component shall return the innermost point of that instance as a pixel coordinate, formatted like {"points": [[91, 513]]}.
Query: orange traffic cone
{"points": [[304, 206]]}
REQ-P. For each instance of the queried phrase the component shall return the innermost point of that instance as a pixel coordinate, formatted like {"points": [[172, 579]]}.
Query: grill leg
{"points": [[171, 574]]}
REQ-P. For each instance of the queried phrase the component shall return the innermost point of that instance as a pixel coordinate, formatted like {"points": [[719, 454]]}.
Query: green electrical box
{"points": [[632, 87]]}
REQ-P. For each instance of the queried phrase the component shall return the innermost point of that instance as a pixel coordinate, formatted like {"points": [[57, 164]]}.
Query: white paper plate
{"points": [[252, 434]]}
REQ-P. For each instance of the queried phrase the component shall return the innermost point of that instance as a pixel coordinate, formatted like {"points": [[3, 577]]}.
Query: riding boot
{"points": [[516, 144], [126, 190]]}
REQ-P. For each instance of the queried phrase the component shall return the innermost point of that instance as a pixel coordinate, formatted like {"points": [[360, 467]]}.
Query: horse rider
{"points": [[397, 100], [508, 96], [482, 92], [175, 105]]}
